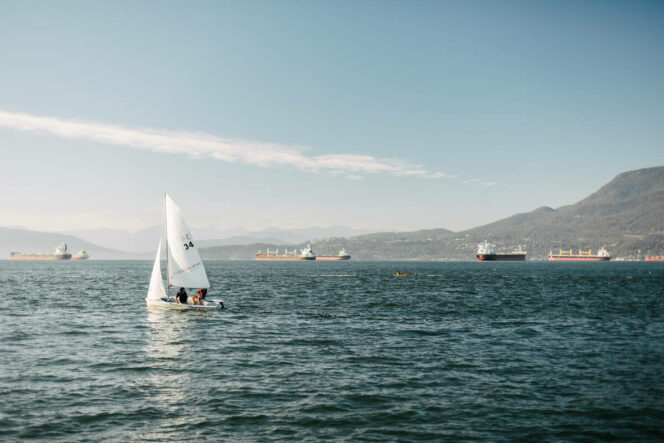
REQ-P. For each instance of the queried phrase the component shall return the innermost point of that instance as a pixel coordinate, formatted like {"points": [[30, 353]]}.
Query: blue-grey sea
{"points": [[335, 351]]}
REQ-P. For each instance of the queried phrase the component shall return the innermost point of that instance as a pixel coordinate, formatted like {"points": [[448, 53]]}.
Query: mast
{"points": [[168, 261]]}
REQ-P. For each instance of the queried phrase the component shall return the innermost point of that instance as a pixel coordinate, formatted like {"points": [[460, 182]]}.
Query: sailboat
{"points": [[184, 266]]}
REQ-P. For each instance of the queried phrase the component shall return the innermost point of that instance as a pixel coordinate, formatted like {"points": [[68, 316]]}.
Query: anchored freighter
{"points": [[485, 252], [305, 254], [342, 255], [61, 253], [602, 255], [82, 255]]}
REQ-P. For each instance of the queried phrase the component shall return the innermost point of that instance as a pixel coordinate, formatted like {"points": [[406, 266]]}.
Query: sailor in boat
{"points": [[181, 296], [198, 298]]}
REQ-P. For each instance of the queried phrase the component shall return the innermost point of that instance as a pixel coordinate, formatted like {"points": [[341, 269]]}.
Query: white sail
{"points": [[156, 291], [185, 267]]}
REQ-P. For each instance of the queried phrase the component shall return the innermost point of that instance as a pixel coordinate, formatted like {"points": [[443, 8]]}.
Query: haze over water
{"points": [[491, 351]]}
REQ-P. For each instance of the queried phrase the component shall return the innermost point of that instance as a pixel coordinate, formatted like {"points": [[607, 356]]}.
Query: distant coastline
{"points": [[625, 216]]}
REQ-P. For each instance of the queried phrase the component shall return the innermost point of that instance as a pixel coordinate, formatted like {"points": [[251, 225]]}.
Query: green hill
{"points": [[626, 216]]}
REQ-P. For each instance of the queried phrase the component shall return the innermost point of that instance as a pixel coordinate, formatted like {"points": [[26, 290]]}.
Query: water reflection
{"points": [[168, 349], [165, 347]]}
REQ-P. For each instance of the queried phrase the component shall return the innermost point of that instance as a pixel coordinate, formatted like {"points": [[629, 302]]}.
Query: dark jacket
{"points": [[182, 296]]}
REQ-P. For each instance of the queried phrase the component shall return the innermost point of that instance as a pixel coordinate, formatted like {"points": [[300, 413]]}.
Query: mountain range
{"points": [[110, 244], [146, 239], [626, 216]]}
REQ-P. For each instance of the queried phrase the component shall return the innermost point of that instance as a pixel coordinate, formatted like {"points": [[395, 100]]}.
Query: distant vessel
{"points": [[655, 258], [305, 254], [81, 255], [342, 255], [60, 254], [485, 252], [602, 255]]}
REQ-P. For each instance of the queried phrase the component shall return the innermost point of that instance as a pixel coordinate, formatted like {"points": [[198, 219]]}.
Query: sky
{"points": [[379, 115]]}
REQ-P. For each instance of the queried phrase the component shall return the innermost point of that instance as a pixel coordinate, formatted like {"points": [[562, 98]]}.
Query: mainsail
{"points": [[157, 290], [185, 267]]}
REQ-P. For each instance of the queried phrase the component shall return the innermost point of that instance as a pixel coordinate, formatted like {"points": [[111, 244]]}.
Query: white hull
{"points": [[173, 306]]}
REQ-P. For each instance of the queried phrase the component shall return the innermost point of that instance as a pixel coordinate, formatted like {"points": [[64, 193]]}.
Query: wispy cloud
{"points": [[200, 145], [478, 182]]}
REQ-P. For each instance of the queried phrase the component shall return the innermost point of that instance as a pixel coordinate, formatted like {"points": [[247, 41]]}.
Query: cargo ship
{"points": [[81, 255], [342, 255], [602, 255], [655, 258], [305, 254], [485, 252], [59, 254]]}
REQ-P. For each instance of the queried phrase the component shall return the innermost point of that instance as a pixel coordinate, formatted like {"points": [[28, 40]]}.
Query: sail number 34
{"points": [[188, 245]]}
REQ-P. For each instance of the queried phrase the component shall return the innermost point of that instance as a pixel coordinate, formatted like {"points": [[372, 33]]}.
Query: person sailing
{"points": [[181, 296], [198, 298]]}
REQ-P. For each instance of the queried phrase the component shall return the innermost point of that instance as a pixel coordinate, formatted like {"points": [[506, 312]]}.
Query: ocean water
{"points": [[335, 350]]}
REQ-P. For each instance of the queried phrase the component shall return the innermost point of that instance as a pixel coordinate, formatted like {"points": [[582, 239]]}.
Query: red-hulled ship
{"points": [[485, 252], [657, 258], [82, 255], [305, 254], [602, 255], [342, 255]]}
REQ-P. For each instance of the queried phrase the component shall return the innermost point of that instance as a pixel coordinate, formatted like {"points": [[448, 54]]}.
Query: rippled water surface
{"points": [[335, 350]]}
